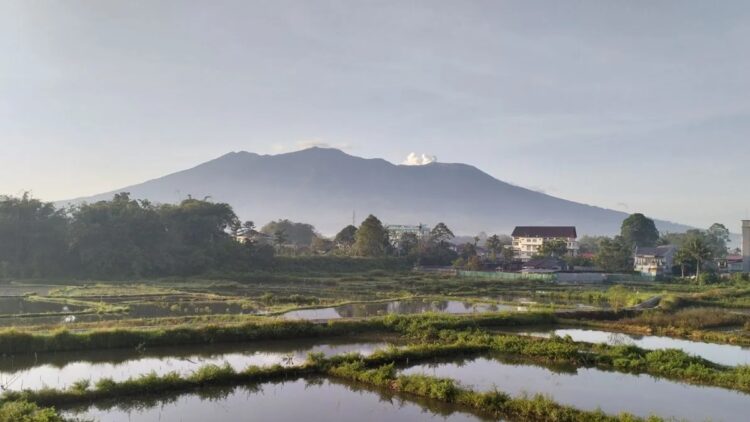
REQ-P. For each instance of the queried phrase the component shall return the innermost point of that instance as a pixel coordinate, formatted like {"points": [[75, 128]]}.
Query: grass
{"points": [[14, 341], [24, 411]]}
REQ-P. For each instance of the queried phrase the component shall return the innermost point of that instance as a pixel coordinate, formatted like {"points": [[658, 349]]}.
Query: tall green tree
{"points": [[372, 238], [718, 237], [553, 247], [346, 237], [615, 255], [494, 245], [298, 234], [33, 237], [441, 234], [119, 237], [408, 244], [639, 230], [696, 249]]}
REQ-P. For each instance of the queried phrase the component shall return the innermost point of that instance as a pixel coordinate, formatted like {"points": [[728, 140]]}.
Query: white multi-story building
{"points": [[528, 239], [395, 231], [654, 261]]}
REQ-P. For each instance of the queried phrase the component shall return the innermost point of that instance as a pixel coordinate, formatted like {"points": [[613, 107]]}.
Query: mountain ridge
{"points": [[323, 186]]}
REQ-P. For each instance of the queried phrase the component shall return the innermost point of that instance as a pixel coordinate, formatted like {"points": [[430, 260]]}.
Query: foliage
{"points": [[33, 237], [553, 248], [119, 238], [639, 230], [590, 244], [346, 237], [298, 234], [614, 255], [372, 238], [23, 411], [441, 234], [695, 249]]}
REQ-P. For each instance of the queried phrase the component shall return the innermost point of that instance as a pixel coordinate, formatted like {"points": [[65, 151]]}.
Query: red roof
{"points": [[545, 231]]}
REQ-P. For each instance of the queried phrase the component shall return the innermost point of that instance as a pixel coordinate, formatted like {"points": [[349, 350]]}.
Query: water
{"points": [[20, 306], [724, 354], [590, 389], [359, 310], [60, 370], [318, 400]]}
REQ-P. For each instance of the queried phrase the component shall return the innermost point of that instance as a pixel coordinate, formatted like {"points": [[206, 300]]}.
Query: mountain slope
{"points": [[324, 186]]}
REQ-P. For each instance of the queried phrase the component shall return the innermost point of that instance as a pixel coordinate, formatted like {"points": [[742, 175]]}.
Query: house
{"points": [[395, 231], [528, 239], [253, 236], [544, 265], [654, 261], [730, 264]]}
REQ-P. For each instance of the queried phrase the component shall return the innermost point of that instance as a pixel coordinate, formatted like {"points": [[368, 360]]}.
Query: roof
{"points": [[658, 251], [544, 231]]}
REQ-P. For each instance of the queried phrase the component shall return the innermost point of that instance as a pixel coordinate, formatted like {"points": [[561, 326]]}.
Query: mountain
{"points": [[325, 186]]}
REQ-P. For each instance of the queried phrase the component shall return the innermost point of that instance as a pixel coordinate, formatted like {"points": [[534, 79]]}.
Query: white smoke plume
{"points": [[414, 159]]}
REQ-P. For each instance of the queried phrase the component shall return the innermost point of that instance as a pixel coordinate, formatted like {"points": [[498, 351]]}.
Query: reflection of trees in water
{"points": [[433, 407], [619, 339]]}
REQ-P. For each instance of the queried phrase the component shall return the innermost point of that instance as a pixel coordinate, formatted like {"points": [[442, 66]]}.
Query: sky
{"points": [[635, 106]]}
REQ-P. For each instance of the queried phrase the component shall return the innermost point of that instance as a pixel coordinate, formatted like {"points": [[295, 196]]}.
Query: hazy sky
{"points": [[632, 105]]}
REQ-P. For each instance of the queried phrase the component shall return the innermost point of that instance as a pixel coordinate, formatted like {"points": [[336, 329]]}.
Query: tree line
{"points": [[121, 237]]}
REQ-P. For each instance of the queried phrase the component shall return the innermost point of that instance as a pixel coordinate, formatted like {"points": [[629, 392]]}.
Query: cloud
{"points": [[414, 159]]}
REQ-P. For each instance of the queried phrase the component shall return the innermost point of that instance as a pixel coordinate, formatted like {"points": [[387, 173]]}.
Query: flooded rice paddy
{"points": [[361, 310], [724, 354], [60, 370], [316, 400], [591, 389]]}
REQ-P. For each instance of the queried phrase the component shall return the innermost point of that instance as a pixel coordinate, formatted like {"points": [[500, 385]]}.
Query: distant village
{"points": [[527, 244], [556, 252]]}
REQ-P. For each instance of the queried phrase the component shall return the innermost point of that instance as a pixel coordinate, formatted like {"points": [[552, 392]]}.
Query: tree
{"points": [[408, 244], [615, 255], [508, 255], [639, 230], [695, 249], [441, 234], [553, 247], [298, 234], [468, 250], [321, 245], [33, 237], [494, 245], [346, 237], [718, 236], [371, 238], [589, 244]]}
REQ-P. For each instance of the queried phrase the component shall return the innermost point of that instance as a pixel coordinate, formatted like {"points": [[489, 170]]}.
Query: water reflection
{"points": [[60, 370], [724, 354], [360, 310], [295, 400], [590, 388]]}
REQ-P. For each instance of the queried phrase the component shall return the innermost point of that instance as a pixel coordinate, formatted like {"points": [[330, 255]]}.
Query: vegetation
{"points": [[24, 411], [615, 255], [639, 230], [371, 239]]}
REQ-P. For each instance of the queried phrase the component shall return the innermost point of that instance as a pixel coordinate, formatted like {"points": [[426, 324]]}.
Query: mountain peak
{"points": [[324, 186]]}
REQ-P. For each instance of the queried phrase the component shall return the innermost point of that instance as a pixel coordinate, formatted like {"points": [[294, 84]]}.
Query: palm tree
{"points": [[696, 249]]}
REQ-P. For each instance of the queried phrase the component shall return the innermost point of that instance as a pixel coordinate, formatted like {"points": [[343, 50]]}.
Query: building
{"points": [[730, 264], [528, 239], [253, 236], [654, 261], [395, 231], [746, 246]]}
